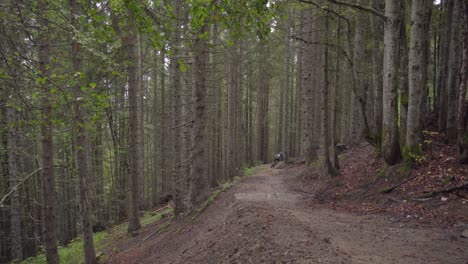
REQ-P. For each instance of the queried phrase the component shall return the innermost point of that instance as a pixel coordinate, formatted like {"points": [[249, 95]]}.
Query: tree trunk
{"points": [[134, 144], [157, 133], [390, 142], [426, 47], [164, 186], [15, 199], [232, 110], [326, 133], [141, 120], [416, 88], [48, 175], [199, 172], [299, 87], [334, 103], [403, 74], [307, 95], [462, 96], [263, 105], [82, 154], [444, 62], [177, 118], [377, 78], [360, 126], [453, 72]]}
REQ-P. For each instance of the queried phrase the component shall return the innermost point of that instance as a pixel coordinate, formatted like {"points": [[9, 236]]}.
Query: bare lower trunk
{"points": [[416, 89], [390, 142], [15, 199], [327, 166], [462, 99], [232, 112], [359, 125], [263, 106], [377, 79], [453, 73], [306, 90], [177, 119], [443, 62], [403, 74], [199, 172], [334, 104], [133, 193]]}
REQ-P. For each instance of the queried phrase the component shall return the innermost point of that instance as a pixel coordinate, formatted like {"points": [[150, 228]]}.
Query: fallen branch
{"points": [[434, 193], [160, 209], [391, 188], [163, 226]]}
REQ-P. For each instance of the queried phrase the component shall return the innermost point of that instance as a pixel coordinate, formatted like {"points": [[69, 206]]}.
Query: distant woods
{"points": [[111, 108]]}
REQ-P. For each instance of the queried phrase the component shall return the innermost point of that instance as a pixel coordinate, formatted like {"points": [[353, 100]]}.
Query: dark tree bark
{"points": [[232, 145], [335, 102], [177, 118], [390, 141], [360, 126], [403, 76], [307, 91], [462, 95], [453, 73], [133, 193], [164, 185], [263, 92], [416, 86], [377, 78], [15, 199], [199, 172], [326, 134], [48, 174], [444, 62], [82, 154]]}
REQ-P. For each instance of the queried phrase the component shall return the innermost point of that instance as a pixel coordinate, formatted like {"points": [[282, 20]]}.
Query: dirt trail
{"points": [[263, 220]]}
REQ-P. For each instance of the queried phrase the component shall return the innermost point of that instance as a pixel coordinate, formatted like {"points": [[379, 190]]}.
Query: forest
{"points": [[112, 108]]}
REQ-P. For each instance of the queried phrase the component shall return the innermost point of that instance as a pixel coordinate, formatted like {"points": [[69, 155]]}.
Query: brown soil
{"points": [[266, 219], [427, 192]]}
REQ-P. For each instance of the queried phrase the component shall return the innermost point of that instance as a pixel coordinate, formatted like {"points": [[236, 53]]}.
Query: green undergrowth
{"points": [[73, 252], [248, 171]]}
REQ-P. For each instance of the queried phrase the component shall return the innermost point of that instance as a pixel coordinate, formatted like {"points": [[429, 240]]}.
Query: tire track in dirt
{"points": [[263, 220]]}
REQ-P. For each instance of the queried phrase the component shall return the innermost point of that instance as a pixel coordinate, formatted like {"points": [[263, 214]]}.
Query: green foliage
{"points": [[430, 133], [182, 65], [413, 154], [247, 171], [151, 217], [73, 253]]}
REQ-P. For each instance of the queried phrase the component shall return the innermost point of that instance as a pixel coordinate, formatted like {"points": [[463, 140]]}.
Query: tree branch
{"points": [[345, 54], [16, 187], [355, 6]]}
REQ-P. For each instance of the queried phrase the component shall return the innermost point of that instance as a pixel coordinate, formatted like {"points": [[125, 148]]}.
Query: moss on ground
{"points": [[73, 252]]}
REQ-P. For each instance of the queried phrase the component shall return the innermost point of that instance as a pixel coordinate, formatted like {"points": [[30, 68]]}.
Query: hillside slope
{"points": [[266, 219]]}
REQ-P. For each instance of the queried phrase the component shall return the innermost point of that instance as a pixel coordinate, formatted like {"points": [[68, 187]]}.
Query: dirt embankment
{"points": [[267, 219]]}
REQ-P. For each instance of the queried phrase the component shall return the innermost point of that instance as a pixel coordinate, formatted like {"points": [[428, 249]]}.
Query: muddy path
{"points": [[264, 220]]}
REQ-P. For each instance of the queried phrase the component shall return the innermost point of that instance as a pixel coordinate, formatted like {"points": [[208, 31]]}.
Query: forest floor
{"points": [[291, 215]]}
